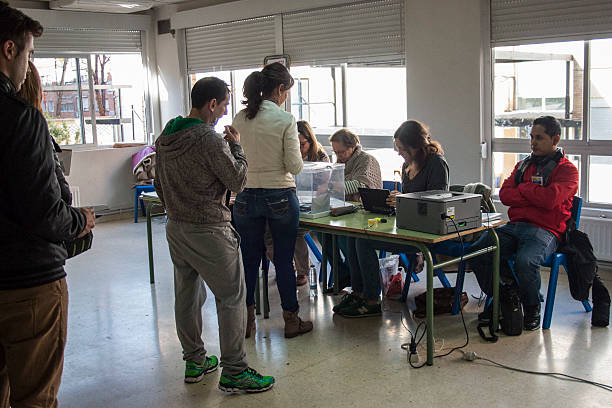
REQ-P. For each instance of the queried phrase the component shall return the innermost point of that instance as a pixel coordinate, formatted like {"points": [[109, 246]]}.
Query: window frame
{"points": [[583, 147], [371, 138], [92, 113]]}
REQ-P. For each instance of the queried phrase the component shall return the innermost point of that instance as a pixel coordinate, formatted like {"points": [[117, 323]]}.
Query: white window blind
{"points": [[360, 33], [88, 40], [518, 21], [234, 45]]}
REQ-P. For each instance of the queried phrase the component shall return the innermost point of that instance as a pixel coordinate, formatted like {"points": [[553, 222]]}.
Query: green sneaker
{"points": [[346, 300], [249, 380], [361, 310], [194, 372]]}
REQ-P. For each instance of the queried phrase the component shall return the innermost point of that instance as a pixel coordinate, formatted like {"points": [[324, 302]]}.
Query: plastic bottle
{"points": [[312, 281]]}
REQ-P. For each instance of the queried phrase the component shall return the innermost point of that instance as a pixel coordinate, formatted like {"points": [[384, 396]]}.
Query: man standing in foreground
{"points": [[194, 169], [34, 221]]}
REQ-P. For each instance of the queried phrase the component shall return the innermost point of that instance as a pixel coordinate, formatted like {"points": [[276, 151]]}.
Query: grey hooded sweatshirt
{"points": [[194, 169]]}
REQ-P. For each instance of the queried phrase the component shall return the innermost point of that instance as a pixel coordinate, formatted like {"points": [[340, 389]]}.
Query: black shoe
{"points": [[531, 319], [346, 300], [486, 315], [601, 304], [601, 314]]}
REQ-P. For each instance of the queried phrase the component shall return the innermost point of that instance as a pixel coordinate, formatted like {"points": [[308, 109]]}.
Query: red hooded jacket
{"points": [[548, 207]]}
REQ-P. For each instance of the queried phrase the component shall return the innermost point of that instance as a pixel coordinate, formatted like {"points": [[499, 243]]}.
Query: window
{"points": [[551, 79], [116, 89], [318, 96], [235, 80], [375, 103], [600, 101], [48, 106], [67, 107]]}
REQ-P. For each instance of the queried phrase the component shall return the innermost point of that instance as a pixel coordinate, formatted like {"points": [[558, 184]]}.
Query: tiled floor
{"points": [[123, 351]]}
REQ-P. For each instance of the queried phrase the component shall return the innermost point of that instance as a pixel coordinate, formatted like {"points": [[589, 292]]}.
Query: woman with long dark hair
{"points": [[270, 141], [424, 169], [310, 147], [311, 150]]}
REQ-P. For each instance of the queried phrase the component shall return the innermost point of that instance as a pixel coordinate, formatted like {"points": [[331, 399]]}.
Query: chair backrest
{"points": [[477, 188], [390, 185], [576, 210]]}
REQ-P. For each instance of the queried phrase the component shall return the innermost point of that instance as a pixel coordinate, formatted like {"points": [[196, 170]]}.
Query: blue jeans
{"points": [[279, 208], [530, 246]]}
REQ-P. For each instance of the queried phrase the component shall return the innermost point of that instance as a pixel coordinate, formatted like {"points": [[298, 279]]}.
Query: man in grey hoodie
{"points": [[195, 168]]}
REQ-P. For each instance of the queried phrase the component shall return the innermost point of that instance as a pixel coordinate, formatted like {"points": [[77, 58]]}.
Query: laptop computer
{"points": [[375, 200]]}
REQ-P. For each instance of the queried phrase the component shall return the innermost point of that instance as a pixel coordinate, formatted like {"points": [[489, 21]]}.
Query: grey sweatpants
{"points": [[211, 254]]}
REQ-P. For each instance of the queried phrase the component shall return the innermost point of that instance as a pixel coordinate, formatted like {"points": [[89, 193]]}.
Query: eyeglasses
{"points": [[302, 144]]}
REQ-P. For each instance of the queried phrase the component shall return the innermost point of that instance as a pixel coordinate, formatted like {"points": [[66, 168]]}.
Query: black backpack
{"points": [[582, 273], [511, 319], [581, 263]]}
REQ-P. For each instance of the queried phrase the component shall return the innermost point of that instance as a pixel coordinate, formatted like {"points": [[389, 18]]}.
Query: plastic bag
{"points": [[393, 277]]}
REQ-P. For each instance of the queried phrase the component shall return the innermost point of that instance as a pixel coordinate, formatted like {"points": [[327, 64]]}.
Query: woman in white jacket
{"points": [[269, 138]]}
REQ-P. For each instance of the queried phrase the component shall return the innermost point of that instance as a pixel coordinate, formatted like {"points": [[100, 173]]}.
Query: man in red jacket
{"points": [[539, 193]]}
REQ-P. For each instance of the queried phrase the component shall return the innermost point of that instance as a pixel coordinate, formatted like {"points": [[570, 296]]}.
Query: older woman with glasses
{"points": [[361, 170]]}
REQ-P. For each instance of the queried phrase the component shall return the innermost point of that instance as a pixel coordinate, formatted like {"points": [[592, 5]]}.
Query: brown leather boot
{"points": [[250, 326], [294, 326], [301, 280]]}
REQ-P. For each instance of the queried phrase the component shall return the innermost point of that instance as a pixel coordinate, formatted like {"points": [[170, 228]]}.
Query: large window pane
{"points": [[61, 104], [118, 98], [381, 86], [601, 90], [600, 168], [314, 98], [503, 164], [118, 104], [535, 80]]}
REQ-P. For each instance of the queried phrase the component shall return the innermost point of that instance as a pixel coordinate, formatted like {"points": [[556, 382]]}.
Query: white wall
{"points": [[104, 177], [443, 77], [169, 79]]}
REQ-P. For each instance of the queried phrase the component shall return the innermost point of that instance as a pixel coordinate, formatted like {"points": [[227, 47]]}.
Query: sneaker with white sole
{"points": [[249, 380], [194, 371]]}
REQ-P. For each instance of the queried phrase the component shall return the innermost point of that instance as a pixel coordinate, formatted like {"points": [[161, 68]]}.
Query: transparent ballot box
{"points": [[320, 187]]}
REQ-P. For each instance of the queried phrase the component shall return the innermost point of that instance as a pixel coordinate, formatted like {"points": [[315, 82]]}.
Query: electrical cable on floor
{"points": [[412, 346], [471, 356]]}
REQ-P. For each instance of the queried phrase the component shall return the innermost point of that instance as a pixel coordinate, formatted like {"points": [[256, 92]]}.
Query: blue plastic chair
{"points": [[138, 190], [554, 261]]}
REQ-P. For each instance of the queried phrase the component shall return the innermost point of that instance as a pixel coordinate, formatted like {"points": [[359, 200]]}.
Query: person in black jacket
{"points": [[31, 91], [34, 221]]}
